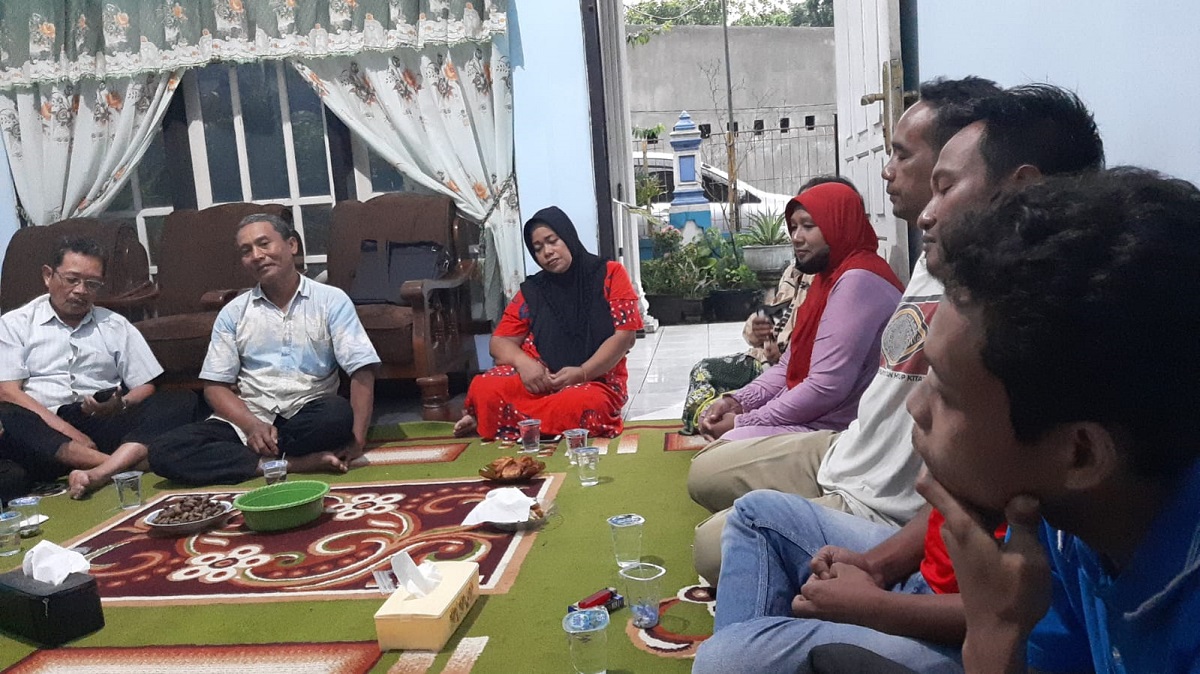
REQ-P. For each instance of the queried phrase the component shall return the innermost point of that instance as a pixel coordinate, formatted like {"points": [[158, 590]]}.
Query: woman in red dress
{"points": [[560, 347]]}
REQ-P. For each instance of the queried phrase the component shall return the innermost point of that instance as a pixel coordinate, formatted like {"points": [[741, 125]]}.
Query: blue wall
{"points": [[8, 204], [551, 115], [1134, 64]]}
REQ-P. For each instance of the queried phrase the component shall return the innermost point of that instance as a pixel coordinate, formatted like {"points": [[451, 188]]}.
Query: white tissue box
{"points": [[426, 623]]}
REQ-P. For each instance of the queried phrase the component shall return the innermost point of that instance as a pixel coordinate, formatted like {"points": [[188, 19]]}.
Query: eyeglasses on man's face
{"points": [[91, 285]]}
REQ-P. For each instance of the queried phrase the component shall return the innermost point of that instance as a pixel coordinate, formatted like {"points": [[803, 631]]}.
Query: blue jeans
{"points": [[769, 539]]}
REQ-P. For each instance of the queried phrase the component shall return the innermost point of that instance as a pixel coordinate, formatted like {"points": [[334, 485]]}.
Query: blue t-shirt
{"points": [[1146, 619]]}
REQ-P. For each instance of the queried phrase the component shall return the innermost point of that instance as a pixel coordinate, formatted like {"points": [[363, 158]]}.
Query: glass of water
{"points": [[587, 463], [10, 533], [531, 435], [576, 438], [588, 639]]}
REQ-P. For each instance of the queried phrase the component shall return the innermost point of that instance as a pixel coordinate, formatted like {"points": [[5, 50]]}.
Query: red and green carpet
{"points": [[303, 601]]}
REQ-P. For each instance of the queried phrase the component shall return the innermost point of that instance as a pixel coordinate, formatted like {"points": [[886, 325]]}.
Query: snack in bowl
{"points": [[190, 514], [510, 469]]}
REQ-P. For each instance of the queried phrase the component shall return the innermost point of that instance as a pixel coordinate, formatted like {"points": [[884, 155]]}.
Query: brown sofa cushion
{"points": [[199, 253], [391, 330], [32, 247], [179, 342]]}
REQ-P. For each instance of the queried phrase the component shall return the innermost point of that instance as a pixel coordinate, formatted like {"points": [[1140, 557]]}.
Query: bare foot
{"points": [[465, 426], [79, 483], [322, 462]]}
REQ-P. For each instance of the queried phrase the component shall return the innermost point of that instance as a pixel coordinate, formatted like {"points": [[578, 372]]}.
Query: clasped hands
{"points": [[718, 418], [842, 588], [539, 380]]}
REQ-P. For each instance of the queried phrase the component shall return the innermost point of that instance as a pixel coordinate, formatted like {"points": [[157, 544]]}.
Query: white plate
{"points": [[186, 528]]}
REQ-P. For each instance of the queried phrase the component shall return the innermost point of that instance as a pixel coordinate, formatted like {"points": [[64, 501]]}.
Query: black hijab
{"points": [[569, 314]]}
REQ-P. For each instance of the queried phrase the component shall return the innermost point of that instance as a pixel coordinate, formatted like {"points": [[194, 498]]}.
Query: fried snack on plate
{"points": [[512, 469]]}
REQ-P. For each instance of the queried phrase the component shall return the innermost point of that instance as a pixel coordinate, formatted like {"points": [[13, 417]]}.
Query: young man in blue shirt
{"points": [[1062, 397]]}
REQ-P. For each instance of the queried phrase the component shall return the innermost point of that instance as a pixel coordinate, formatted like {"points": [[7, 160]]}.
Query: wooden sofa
{"points": [[199, 271], [430, 337], [127, 289]]}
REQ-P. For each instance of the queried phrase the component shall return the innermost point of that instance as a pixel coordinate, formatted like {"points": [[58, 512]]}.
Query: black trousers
{"points": [[29, 442], [210, 451]]}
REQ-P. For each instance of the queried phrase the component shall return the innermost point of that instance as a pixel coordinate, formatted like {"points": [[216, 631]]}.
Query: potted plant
{"points": [[737, 290], [766, 246], [677, 279]]}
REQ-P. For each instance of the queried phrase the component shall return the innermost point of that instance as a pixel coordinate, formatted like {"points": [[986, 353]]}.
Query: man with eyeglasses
{"points": [[75, 380]]}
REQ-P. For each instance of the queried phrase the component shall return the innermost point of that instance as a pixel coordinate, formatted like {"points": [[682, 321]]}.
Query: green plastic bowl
{"points": [[284, 505]]}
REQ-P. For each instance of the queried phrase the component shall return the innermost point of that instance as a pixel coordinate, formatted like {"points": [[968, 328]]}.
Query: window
{"points": [[146, 198], [252, 132], [705, 130], [785, 123], [758, 127], [257, 133], [810, 122]]}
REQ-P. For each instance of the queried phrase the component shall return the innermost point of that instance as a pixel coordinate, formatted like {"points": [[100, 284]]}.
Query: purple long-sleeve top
{"points": [[845, 357]]}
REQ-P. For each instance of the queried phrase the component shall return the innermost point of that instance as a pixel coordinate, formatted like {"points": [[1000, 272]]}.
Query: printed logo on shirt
{"points": [[902, 346]]}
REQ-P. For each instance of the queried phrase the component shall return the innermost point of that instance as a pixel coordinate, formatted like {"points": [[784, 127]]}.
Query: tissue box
{"points": [[49, 614], [426, 623]]}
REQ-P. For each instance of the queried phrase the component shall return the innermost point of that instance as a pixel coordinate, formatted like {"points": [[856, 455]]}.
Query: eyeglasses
{"points": [[91, 285]]}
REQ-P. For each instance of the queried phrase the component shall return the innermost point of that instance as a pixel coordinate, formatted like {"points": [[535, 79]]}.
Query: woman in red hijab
{"points": [[834, 350]]}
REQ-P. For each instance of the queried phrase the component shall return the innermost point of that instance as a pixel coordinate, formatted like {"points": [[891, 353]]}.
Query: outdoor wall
{"points": [[551, 116], [1134, 64], [777, 72]]}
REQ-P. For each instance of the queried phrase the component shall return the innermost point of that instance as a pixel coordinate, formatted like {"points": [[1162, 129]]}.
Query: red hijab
{"points": [[838, 212]]}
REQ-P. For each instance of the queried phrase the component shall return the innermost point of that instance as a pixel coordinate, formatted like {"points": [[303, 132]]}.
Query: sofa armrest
{"points": [[417, 292], [213, 300], [140, 297]]}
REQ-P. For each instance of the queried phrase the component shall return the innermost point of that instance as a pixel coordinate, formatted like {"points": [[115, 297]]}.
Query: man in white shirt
{"points": [[271, 374], [56, 354], [869, 469]]}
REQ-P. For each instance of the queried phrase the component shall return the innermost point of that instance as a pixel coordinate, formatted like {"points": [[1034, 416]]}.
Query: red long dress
{"points": [[498, 399]]}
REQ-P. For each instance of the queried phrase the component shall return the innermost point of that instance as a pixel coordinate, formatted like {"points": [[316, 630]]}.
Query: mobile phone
{"points": [[772, 310], [103, 396]]}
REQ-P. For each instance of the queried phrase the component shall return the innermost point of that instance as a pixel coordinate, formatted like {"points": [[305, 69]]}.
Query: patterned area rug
{"points": [[335, 658], [331, 558], [395, 453]]}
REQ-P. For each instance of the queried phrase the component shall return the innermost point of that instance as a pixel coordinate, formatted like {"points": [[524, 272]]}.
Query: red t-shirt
{"points": [[936, 566]]}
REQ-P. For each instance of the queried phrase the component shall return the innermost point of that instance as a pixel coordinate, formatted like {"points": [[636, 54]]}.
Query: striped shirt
{"points": [[59, 364]]}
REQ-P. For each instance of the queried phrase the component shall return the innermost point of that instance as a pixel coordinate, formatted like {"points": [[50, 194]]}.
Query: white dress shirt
{"points": [[60, 364]]}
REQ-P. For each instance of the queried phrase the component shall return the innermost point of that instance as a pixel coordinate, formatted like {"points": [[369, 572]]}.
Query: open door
{"points": [[870, 98]]}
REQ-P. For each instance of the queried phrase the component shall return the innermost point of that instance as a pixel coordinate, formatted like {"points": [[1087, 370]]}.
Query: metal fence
{"points": [[775, 160]]}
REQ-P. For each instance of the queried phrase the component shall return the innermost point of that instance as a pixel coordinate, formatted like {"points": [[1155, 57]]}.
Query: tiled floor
{"points": [[659, 365]]}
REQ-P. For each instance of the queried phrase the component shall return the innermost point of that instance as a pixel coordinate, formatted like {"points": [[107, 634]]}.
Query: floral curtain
{"points": [[443, 117], [426, 83], [70, 40], [72, 146]]}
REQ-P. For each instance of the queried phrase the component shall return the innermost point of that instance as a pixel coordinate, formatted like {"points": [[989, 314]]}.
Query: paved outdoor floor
{"points": [[659, 365]]}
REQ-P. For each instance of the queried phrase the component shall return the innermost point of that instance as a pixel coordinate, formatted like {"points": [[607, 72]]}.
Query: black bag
{"points": [[370, 284], [382, 271], [415, 262], [46, 614]]}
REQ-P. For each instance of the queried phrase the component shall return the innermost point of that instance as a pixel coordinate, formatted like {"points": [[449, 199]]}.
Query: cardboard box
{"points": [[46, 614], [426, 623]]}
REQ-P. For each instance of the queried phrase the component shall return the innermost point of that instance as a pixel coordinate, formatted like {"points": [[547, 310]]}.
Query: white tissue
{"points": [[417, 580], [52, 563], [507, 504]]}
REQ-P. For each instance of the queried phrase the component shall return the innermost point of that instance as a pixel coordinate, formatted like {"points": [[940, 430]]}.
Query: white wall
{"points": [[1136, 64], [551, 118]]}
